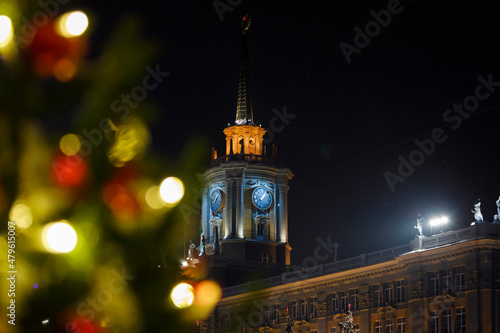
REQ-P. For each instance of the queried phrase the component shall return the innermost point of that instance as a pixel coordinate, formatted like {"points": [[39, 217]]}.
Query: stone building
{"points": [[442, 283]]}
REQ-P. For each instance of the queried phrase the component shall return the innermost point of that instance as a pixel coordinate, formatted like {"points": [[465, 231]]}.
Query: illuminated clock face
{"points": [[262, 198], [216, 200]]}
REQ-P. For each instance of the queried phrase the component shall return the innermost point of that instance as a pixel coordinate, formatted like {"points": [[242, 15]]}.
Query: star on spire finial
{"points": [[245, 23]]}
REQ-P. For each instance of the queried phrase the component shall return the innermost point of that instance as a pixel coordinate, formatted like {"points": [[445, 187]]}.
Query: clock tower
{"points": [[244, 206]]}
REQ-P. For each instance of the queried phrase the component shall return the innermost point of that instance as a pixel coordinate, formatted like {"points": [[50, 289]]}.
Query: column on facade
{"points": [[235, 143], [283, 212], [228, 214], [228, 145], [240, 207], [205, 213]]}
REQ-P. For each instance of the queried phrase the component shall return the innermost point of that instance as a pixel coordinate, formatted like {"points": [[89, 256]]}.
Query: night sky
{"points": [[352, 120]]}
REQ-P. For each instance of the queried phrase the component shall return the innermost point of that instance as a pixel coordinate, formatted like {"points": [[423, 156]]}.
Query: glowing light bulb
{"points": [[72, 24], [6, 30], [182, 295], [171, 190], [59, 237]]}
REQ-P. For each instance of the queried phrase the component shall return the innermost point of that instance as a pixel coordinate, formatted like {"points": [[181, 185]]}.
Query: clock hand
{"points": [[216, 196], [262, 197]]}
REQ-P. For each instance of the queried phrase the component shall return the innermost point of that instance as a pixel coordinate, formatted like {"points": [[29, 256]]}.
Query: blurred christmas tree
{"points": [[92, 236]]}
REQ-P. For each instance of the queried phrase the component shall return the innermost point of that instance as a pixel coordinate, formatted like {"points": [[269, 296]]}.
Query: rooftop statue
{"points": [[496, 219], [477, 212]]}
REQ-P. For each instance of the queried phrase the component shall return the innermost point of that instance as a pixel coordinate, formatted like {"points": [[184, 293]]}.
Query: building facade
{"points": [[441, 283], [444, 283]]}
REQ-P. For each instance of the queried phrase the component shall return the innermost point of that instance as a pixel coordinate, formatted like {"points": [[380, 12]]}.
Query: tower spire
{"points": [[244, 110]]}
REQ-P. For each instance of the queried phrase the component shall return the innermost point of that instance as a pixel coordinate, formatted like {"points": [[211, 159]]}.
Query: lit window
{"points": [[378, 326], [295, 310]]}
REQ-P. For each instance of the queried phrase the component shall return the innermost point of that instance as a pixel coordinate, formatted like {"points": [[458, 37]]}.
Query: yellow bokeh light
{"points": [[171, 190], [152, 197], [6, 30], [21, 215], [70, 144], [131, 140], [59, 237], [72, 24], [182, 295]]}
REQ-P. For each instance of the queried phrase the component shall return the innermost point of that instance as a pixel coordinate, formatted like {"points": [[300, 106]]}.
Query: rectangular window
{"points": [[389, 297], [460, 320], [400, 291], [401, 325], [334, 304], [446, 324], [446, 281], [459, 278], [433, 283], [377, 295], [303, 308], [388, 326], [295, 310], [343, 302], [434, 322], [276, 315], [267, 315], [333, 330], [312, 307], [354, 299], [378, 326]]}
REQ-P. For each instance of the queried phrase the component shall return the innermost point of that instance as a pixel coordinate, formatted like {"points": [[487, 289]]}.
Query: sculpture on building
{"points": [[477, 212], [192, 252], [496, 219], [420, 225], [202, 245]]}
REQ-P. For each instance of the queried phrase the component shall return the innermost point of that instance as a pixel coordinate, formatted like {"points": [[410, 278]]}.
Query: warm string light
{"points": [[72, 24], [6, 30]]}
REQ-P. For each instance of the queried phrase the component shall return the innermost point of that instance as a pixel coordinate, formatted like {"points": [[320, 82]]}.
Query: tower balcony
{"points": [[251, 158]]}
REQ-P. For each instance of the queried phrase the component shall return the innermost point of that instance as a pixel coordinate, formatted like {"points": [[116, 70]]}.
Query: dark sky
{"points": [[353, 120]]}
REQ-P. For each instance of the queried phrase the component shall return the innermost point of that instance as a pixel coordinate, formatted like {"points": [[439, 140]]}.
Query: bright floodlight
{"points": [[73, 24], [61, 237], [171, 190], [182, 295], [438, 221], [6, 31]]}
